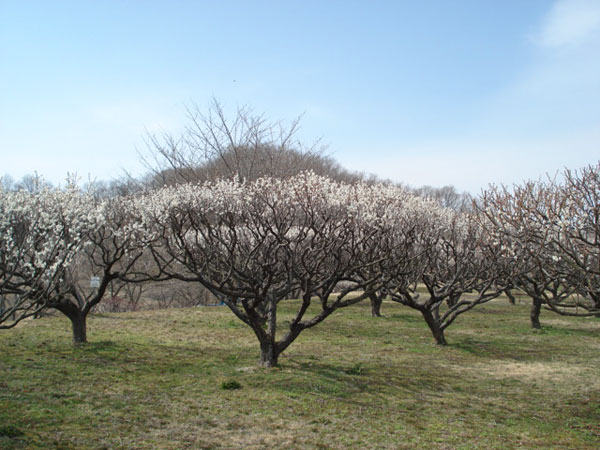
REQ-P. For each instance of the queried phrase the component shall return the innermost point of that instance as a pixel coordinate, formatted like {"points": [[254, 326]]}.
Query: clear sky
{"points": [[463, 92]]}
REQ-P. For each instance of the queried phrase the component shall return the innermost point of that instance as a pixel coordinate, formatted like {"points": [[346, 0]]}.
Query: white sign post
{"points": [[95, 282]]}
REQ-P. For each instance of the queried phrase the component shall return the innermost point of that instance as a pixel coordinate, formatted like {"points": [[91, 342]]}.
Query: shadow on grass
{"points": [[345, 381], [504, 350], [155, 358], [405, 318]]}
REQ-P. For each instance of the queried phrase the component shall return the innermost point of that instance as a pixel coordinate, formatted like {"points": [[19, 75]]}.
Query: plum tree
{"points": [[255, 244]]}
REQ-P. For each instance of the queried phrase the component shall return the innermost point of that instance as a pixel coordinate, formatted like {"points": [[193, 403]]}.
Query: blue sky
{"points": [[423, 92]]}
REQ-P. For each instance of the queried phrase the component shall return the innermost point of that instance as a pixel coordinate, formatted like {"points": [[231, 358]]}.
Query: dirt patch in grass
{"points": [[558, 372]]}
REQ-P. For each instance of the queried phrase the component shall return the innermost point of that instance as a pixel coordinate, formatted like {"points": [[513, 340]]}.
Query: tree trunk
{"points": [[268, 354], [451, 301], [78, 323], [77, 317], [434, 326], [596, 301], [534, 315], [376, 300], [511, 297]]}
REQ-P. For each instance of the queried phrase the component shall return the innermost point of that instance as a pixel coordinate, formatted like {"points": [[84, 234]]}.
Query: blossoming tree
{"points": [[53, 241], [258, 243], [553, 232], [112, 246], [452, 258], [41, 232], [581, 242]]}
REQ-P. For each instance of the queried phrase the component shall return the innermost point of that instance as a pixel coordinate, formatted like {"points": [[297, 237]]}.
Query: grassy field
{"points": [[155, 379]]}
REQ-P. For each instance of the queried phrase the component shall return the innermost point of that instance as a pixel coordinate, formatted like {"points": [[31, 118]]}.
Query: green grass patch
{"points": [[230, 385], [156, 379]]}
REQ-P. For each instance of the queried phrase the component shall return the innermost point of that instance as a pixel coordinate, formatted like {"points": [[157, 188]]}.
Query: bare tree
{"points": [[247, 146], [7, 183], [446, 197]]}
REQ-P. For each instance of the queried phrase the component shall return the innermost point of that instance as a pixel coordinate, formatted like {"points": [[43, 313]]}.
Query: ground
{"points": [[157, 379]]}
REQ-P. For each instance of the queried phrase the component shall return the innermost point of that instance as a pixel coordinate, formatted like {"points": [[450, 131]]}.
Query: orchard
{"points": [[254, 244]]}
